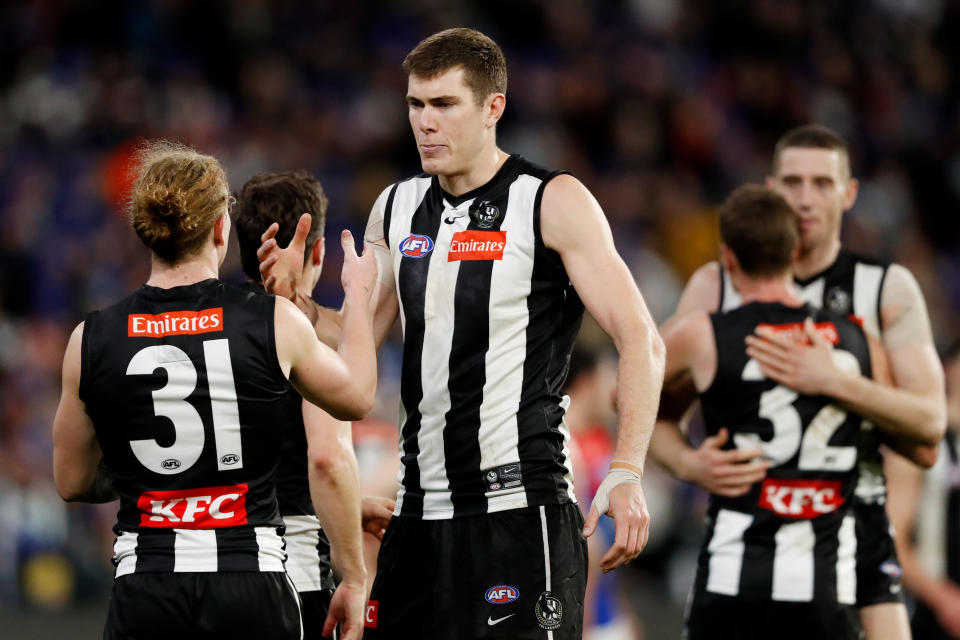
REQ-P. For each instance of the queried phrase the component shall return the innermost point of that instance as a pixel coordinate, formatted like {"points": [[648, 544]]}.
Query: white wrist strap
{"points": [[614, 477]]}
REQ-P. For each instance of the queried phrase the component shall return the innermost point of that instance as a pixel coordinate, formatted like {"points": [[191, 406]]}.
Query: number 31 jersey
{"points": [[186, 396], [791, 537]]}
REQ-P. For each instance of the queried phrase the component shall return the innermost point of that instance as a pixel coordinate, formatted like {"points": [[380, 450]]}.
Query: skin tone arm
{"points": [[343, 382], [78, 472], [573, 225], [915, 409]]}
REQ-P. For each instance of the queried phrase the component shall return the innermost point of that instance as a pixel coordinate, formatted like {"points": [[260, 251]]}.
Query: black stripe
{"points": [[756, 568], [883, 278], [825, 553], [953, 510], [467, 365], [155, 550], [388, 214], [555, 312], [723, 288], [412, 286], [237, 549]]}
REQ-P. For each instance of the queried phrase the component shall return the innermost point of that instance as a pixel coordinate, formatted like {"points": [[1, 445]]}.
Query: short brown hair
{"points": [[758, 225], [282, 198], [484, 67], [812, 136], [177, 197]]}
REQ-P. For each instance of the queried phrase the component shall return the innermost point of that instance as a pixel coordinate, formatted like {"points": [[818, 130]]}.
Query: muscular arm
{"points": [[573, 225], [77, 470]]}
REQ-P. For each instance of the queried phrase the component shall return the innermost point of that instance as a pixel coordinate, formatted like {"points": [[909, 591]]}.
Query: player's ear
{"points": [[319, 248], [221, 230], [496, 103], [770, 182], [850, 193], [728, 259]]}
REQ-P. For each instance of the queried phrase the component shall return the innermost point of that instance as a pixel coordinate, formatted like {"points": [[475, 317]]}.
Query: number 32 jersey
{"points": [[184, 390], [791, 537]]}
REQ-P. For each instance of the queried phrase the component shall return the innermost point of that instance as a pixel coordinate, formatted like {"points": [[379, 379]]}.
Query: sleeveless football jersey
{"points": [[489, 318], [850, 286], [791, 538], [184, 388]]}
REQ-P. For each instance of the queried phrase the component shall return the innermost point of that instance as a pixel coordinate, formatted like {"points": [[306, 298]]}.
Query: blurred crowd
{"points": [[659, 106]]}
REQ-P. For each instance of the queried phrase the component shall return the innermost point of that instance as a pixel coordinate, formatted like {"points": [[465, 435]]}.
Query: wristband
{"points": [[623, 464]]}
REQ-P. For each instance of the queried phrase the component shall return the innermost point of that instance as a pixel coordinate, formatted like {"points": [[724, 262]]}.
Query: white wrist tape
{"points": [[614, 477]]}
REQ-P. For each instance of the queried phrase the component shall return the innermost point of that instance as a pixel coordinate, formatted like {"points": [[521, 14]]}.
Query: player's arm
{"points": [[334, 489], [573, 225], [77, 470], [343, 382], [915, 409]]}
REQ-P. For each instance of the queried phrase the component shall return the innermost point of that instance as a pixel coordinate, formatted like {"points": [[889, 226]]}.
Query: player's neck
{"points": [[477, 174], [768, 290], [817, 259], [164, 275]]}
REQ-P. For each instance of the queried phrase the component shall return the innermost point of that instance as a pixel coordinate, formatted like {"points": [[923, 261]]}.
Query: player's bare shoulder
{"points": [[568, 211]]}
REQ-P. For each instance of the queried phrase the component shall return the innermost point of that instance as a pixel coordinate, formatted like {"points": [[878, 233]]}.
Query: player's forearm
{"points": [[668, 447], [357, 347], [898, 412], [334, 488], [639, 382]]}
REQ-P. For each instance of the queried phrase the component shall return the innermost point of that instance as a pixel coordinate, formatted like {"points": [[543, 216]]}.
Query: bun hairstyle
{"points": [[177, 197]]}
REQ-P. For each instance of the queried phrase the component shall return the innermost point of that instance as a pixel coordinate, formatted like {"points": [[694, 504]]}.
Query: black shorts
{"points": [[718, 617], [228, 605], [314, 605], [878, 569], [484, 576]]}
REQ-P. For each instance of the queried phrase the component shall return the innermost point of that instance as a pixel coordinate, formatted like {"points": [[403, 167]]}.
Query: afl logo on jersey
{"points": [[416, 246], [170, 463], [230, 458], [501, 594]]}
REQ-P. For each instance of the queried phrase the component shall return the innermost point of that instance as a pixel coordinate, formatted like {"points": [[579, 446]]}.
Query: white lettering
{"points": [[370, 609], [164, 510], [193, 507], [218, 503]]}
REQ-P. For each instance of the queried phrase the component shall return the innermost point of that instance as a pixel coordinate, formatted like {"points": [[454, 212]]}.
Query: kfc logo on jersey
{"points": [[416, 246], [501, 594], [174, 323], [795, 331], [801, 499], [206, 508], [370, 618], [477, 245]]}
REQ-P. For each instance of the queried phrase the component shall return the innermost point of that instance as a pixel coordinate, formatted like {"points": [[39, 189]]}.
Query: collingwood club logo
{"points": [[485, 215], [837, 300], [549, 611]]}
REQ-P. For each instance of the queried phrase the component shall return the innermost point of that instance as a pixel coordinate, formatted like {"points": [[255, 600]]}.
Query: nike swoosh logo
{"points": [[491, 621], [452, 219]]}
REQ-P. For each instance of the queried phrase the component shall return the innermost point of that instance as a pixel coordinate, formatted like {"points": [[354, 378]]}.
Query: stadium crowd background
{"points": [[660, 107]]}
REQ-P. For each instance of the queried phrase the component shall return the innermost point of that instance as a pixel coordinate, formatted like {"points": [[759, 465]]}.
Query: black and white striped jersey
{"points": [[489, 318], [938, 514], [851, 286], [183, 387], [307, 546], [791, 538]]}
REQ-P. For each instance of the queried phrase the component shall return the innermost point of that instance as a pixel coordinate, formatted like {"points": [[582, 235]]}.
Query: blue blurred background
{"points": [[659, 106]]}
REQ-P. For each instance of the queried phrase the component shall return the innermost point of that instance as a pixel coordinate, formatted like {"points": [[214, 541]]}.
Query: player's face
{"points": [[816, 183], [450, 128]]}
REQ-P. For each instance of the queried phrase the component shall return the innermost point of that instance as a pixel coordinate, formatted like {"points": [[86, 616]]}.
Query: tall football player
{"points": [[176, 389]]}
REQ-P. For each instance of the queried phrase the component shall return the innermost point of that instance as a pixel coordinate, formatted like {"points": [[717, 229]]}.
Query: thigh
{"points": [[513, 574], [150, 605], [401, 599], [252, 604], [886, 621], [314, 606]]}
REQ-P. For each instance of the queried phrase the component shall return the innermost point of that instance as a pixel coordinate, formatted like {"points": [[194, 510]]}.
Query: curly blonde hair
{"points": [[177, 197]]}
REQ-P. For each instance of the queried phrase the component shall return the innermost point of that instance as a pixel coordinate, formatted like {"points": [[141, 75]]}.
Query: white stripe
{"points": [[270, 555], [509, 318], [195, 550], [847, 562], [567, 461], [866, 293], [793, 562], [303, 558], [726, 552], [223, 404], [932, 513], [813, 293], [546, 556], [296, 598], [125, 553]]}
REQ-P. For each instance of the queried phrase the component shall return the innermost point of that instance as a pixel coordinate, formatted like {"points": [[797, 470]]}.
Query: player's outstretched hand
{"points": [[627, 505], [347, 607], [281, 270], [805, 365], [375, 514], [359, 272], [725, 472]]}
